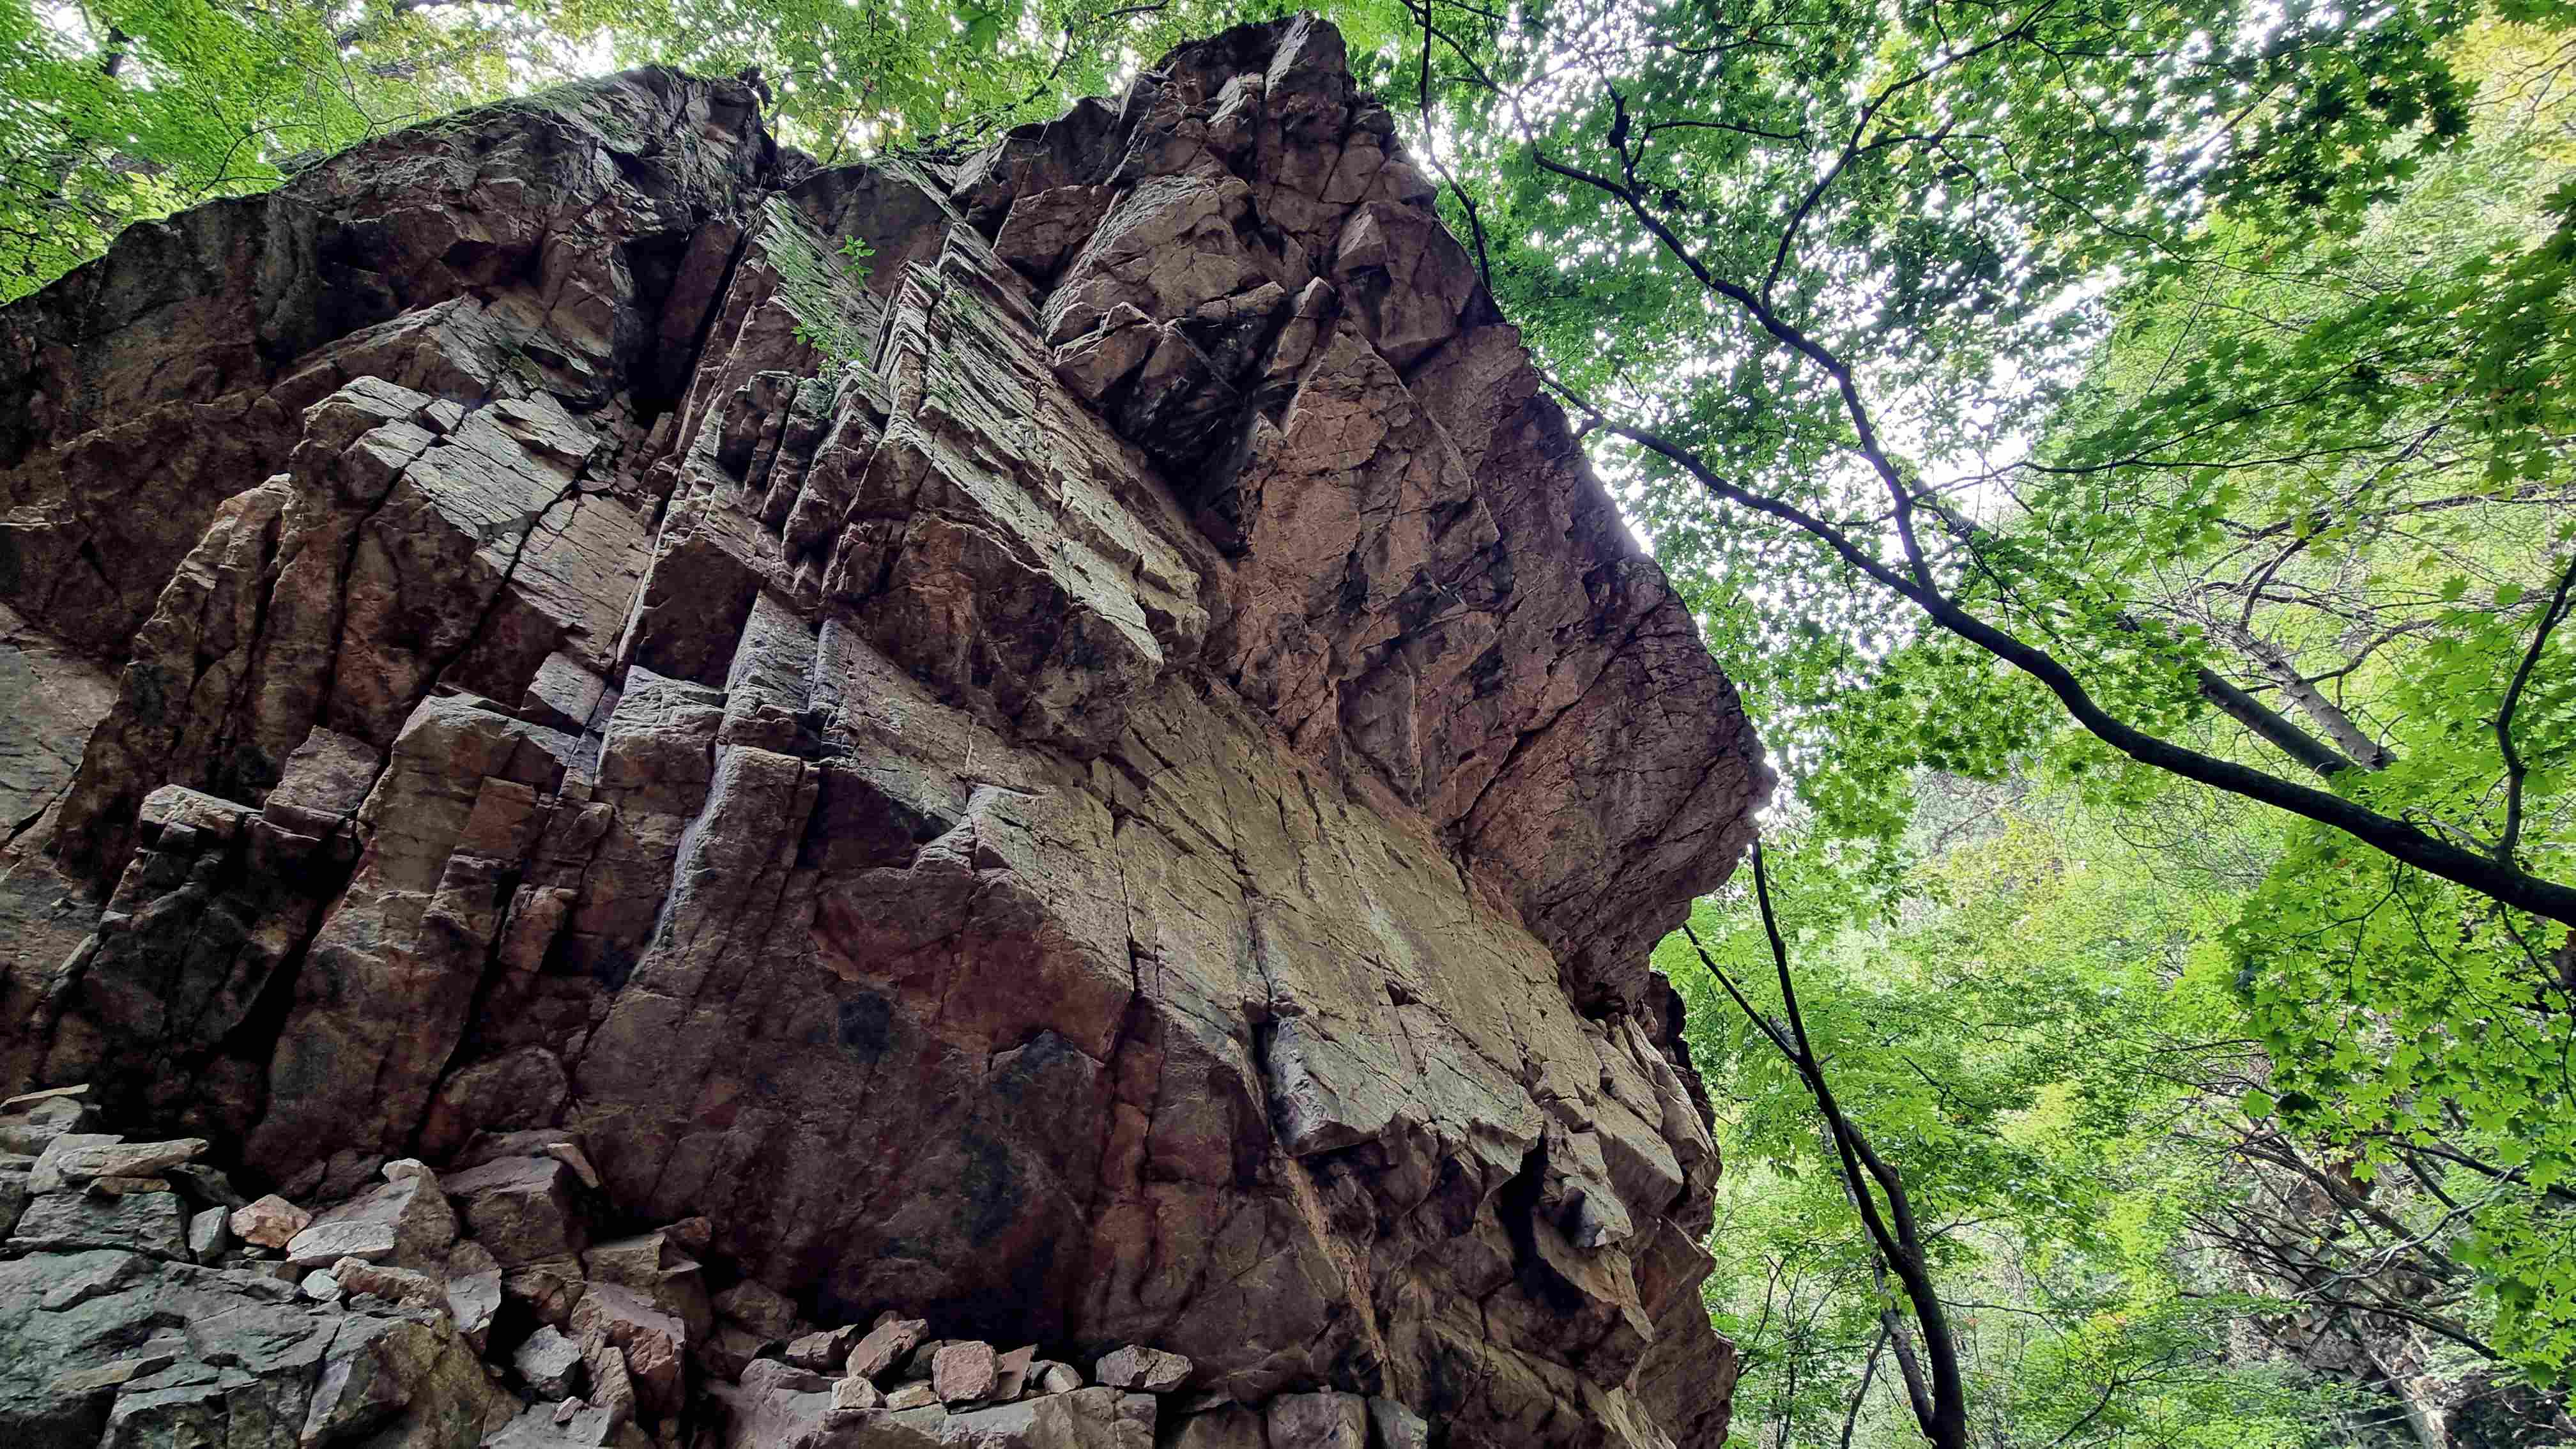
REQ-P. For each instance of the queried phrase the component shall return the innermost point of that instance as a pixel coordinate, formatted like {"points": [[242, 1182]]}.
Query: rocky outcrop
{"points": [[1062, 742]]}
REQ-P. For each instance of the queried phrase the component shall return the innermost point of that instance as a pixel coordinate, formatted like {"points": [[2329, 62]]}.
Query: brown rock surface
{"points": [[1131, 812]]}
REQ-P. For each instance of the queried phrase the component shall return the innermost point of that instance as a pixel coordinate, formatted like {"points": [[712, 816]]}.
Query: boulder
{"points": [[210, 1236], [1150, 1369], [964, 1373], [891, 1342], [1011, 1372], [915, 1395], [406, 1222], [270, 1222], [825, 1351], [520, 1209], [549, 1364], [76, 1158]]}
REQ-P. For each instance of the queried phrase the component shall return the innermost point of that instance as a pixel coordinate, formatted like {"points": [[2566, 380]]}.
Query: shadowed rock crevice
{"points": [[1095, 765]]}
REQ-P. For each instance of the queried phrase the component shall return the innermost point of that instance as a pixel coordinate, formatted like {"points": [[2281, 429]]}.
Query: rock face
{"points": [[1063, 742]]}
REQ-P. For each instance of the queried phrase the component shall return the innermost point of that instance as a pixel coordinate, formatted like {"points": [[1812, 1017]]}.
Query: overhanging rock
{"points": [[1067, 741]]}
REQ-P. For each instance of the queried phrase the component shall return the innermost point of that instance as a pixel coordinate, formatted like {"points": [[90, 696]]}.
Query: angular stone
{"points": [[77, 1158], [1011, 1372], [549, 1364], [885, 1345], [473, 1292], [653, 1343], [964, 1373], [854, 1393], [1059, 1378], [1135, 1367], [916, 1364], [31, 1121], [1098, 1418], [406, 1222], [548, 1287], [520, 1208], [824, 1351], [270, 1222], [915, 1395]]}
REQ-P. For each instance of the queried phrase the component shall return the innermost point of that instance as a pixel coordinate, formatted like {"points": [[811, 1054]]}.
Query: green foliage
{"points": [[124, 110], [825, 290], [2023, 1039]]}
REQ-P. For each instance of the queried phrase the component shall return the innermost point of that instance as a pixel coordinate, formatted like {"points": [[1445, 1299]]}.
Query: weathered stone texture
{"points": [[1131, 810]]}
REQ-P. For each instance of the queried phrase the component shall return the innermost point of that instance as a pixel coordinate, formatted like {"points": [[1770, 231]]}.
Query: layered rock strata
{"points": [[1064, 741]]}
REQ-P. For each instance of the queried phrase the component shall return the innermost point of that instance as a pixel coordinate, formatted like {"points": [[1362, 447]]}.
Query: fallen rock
{"points": [[31, 1121], [394, 1285], [270, 1222], [405, 1222], [549, 1363], [1098, 1418], [653, 1344], [917, 1394], [548, 1288], [1058, 1378], [964, 1373], [889, 1343], [1150, 1369], [824, 1351], [76, 1158], [520, 1209], [855, 1393], [473, 1292], [209, 1235], [1011, 1372]]}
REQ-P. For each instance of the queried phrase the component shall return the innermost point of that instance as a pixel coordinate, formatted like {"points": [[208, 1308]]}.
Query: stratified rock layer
{"points": [[1065, 741]]}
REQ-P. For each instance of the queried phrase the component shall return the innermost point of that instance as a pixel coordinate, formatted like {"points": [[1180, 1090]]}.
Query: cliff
{"points": [[1064, 743]]}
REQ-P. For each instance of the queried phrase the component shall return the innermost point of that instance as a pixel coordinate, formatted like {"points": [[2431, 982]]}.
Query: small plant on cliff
{"points": [[826, 290]]}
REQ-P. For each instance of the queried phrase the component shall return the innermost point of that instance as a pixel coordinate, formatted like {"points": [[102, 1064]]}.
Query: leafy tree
{"points": [[1839, 247], [124, 110]]}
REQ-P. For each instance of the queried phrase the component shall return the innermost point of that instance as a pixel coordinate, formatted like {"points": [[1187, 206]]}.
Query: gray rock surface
{"points": [[1133, 811]]}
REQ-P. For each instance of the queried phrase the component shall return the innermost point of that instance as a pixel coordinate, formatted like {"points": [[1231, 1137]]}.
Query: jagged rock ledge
{"points": [[1103, 774]]}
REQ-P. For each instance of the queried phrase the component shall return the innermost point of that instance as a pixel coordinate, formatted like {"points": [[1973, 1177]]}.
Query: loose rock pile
{"points": [[144, 1301]]}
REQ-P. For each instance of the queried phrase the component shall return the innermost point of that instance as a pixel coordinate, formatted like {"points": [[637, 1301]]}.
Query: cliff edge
{"points": [[1065, 742]]}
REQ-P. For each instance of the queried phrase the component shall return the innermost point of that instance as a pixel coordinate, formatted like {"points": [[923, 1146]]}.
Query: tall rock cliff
{"points": [[1065, 742]]}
